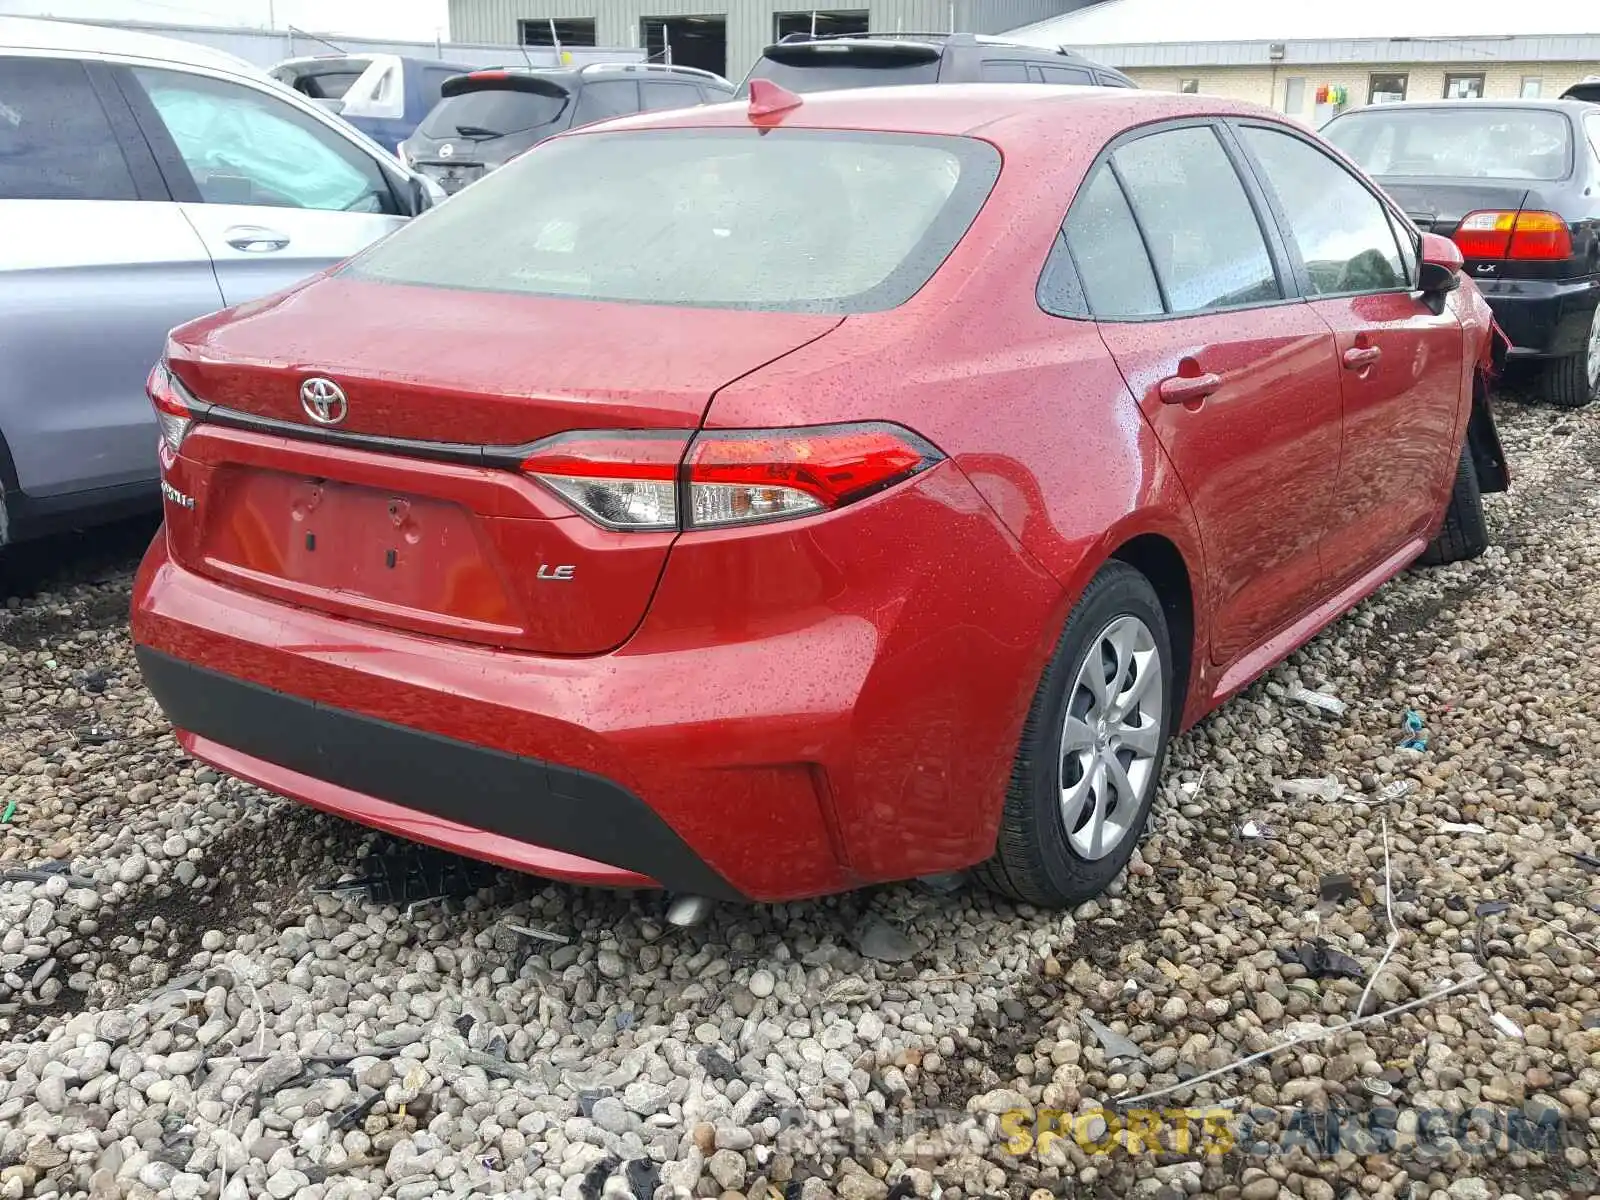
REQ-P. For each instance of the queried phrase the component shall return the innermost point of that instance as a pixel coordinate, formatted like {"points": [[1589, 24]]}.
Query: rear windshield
{"points": [[1470, 142], [787, 220], [492, 112], [323, 83], [827, 68]]}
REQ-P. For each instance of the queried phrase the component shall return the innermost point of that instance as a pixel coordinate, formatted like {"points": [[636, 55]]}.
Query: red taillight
{"points": [[1532, 235], [1540, 235], [625, 480], [763, 474], [641, 480], [175, 407]]}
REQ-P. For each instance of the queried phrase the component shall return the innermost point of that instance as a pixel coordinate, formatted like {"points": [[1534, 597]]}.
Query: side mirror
{"points": [[1440, 272]]}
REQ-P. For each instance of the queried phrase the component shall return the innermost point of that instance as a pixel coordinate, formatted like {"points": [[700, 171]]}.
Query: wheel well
{"points": [[1159, 561]]}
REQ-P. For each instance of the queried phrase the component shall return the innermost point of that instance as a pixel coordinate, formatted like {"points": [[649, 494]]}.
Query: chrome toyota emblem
{"points": [[324, 401]]}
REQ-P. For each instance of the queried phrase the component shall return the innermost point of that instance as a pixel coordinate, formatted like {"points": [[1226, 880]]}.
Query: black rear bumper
{"points": [[1543, 318], [539, 803]]}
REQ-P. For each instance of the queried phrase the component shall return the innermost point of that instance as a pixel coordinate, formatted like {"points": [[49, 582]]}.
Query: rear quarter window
{"points": [[606, 98], [1003, 70], [657, 94], [1053, 74], [786, 220]]}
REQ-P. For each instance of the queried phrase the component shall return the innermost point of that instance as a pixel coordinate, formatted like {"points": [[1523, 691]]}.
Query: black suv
{"points": [[484, 118], [849, 60]]}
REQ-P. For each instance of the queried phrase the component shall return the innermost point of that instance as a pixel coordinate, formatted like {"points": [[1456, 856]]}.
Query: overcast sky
{"points": [[420, 20]]}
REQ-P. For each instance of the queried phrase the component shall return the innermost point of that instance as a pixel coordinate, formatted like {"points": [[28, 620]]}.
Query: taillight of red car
{"points": [[175, 407], [1523, 236], [719, 478]]}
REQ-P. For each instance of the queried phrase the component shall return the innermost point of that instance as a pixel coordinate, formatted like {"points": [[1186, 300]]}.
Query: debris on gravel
{"points": [[207, 991]]}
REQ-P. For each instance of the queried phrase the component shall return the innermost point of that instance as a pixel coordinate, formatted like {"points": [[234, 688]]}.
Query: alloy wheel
{"points": [[1110, 737], [1594, 355]]}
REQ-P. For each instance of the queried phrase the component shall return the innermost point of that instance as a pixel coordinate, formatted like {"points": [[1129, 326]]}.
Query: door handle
{"points": [[1187, 389], [1358, 357], [256, 239]]}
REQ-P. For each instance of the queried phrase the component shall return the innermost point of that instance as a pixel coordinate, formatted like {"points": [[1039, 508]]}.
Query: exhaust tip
{"points": [[688, 911]]}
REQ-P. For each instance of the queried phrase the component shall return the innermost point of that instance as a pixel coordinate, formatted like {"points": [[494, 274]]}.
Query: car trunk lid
{"points": [[1438, 205], [409, 511], [452, 365]]}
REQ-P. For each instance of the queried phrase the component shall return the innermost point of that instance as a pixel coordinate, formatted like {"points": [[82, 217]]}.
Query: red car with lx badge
{"points": [[763, 501]]}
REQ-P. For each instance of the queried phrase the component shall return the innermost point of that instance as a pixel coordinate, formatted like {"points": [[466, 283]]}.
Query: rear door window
{"points": [[606, 98], [657, 94], [1198, 222], [56, 142], [327, 83], [493, 112], [1343, 231], [242, 146]]}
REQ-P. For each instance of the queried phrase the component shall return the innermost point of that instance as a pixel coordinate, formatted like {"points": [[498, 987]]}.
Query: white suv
{"points": [[144, 182]]}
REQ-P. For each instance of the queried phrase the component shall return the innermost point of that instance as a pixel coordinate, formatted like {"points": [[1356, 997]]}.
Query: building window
{"points": [[687, 41], [1463, 87], [1532, 87], [1386, 89], [1189, 87], [1294, 95], [820, 24], [569, 31]]}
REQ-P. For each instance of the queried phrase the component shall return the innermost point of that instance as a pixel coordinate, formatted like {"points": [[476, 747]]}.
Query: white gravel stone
{"points": [[161, 1009]]}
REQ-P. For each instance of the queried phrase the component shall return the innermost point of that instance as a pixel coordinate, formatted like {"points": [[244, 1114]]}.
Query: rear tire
{"points": [[1463, 535], [1567, 382], [1113, 711]]}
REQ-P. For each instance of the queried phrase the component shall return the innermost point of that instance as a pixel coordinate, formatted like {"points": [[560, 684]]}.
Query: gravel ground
{"points": [[186, 1010]]}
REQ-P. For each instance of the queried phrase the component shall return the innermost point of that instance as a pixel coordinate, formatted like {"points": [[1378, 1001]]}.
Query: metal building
{"points": [[1313, 61], [726, 36], [267, 47]]}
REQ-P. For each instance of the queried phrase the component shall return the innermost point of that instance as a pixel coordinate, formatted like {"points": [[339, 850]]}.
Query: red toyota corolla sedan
{"points": [[765, 500]]}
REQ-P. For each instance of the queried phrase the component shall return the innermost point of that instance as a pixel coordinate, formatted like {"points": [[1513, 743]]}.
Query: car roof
{"points": [[72, 38], [600, 70], [955, 41], [1001, 112]]}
